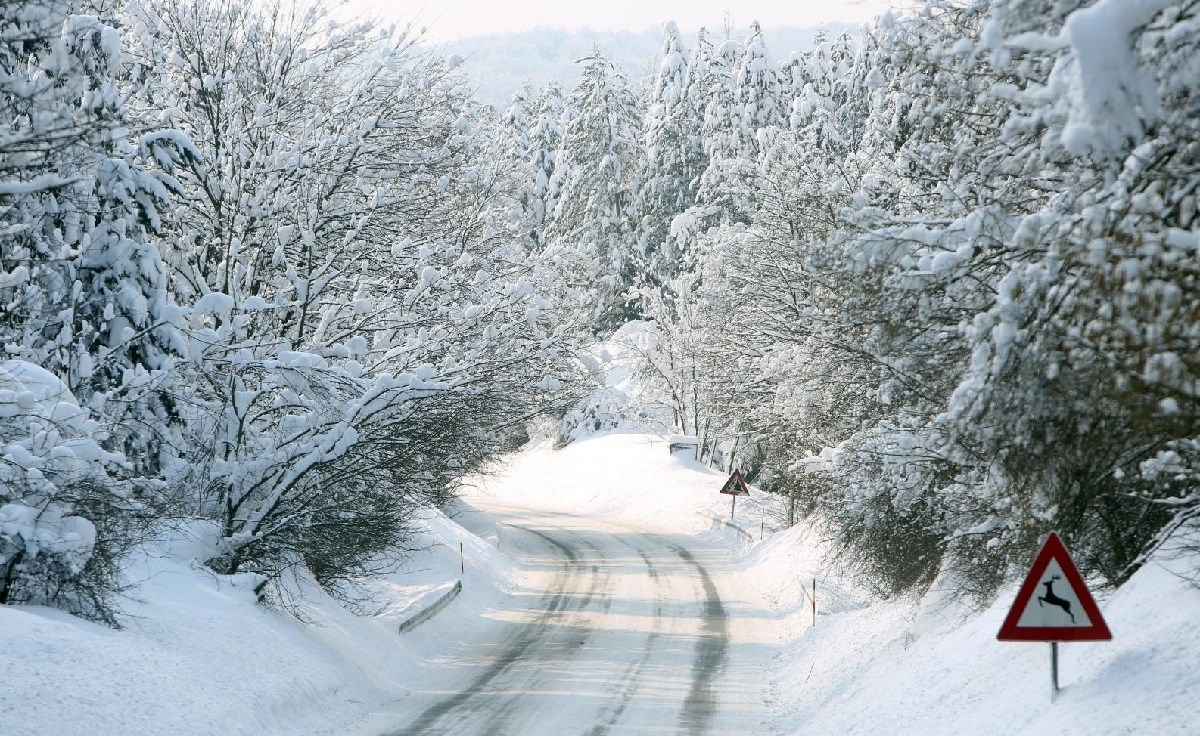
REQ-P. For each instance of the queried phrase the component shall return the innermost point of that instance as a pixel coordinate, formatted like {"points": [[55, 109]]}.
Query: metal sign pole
{"points": [[1053, 670], [732, 505]]}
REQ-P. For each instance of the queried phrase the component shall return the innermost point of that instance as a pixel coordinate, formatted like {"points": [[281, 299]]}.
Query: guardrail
{"points": [[433, 610], [713, 518]]}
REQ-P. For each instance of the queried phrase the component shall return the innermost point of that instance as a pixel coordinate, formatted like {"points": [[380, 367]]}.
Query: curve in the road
{"points": [[438, 718], [527, 637], [563, 623]]}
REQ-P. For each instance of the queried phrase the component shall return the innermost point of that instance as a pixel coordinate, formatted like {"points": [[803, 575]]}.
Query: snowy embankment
{"points": [[888, 667], [199, 656]]}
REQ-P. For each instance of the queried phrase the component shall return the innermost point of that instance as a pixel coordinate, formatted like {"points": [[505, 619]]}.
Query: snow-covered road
{"points": [[616, 629]]}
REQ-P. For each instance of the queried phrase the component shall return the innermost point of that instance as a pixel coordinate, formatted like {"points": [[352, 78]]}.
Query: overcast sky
{"points": [[453, 19]]}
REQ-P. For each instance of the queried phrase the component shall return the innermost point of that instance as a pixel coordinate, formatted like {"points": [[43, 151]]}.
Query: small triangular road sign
{"points": [[1054, 603], [736, 485]]}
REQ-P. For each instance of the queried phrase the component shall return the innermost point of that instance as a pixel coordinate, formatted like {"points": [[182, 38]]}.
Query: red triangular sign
{"points": [[736, 485], [1054, 603]]}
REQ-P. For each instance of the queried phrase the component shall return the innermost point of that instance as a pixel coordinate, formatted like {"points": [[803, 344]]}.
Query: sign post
{"points": [[735, 486], [1063, 611]]}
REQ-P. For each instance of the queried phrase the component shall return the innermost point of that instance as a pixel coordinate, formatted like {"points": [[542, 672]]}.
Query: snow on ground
{"points": [[884, 669], [198, 656], [627, 475]]}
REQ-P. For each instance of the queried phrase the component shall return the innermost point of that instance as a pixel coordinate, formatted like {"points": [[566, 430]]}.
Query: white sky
{"points": [[453, 19]]}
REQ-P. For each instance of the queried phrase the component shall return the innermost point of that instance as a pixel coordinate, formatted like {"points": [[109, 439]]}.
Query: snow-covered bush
{"points": [[85, 318], [63, 518]]}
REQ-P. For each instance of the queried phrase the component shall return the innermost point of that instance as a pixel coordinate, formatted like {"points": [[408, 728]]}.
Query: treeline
{"points": [[936, 282], [264, 278], [279, 280]]}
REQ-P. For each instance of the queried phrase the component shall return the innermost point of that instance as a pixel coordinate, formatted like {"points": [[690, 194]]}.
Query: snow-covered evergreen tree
{"points": [[703, 78], [757, 95], [545, 139], [667, 175], [595, 215], [717, 133]]}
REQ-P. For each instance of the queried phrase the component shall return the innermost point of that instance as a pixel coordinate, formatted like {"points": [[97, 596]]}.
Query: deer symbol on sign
{"points": [[1053, 599]]}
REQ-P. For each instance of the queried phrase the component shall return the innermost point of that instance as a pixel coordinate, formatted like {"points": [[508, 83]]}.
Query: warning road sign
{"points": [[1054, 603], [736, 485]]}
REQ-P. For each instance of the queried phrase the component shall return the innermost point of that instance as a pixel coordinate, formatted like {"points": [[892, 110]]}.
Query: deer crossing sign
{"points": [[1054, 603]]}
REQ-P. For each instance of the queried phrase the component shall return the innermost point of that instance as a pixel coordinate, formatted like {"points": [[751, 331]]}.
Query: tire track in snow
{"points": [[527, 636], [712, 650], [535, 635], [631, 678]]}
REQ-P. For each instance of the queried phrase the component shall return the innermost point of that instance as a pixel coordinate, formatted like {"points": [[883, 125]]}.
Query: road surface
{"points": [[617, 629]]}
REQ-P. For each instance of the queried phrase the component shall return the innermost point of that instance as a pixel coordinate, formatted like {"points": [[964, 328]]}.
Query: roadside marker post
{"points": [[811, 597], [1066, 613]]}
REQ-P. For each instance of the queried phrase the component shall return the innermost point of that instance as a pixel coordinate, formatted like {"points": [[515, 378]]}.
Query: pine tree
{"points": [[756, 94], [703, 81], [667, 175], [717, 131], [595, 218], [545, 139]]}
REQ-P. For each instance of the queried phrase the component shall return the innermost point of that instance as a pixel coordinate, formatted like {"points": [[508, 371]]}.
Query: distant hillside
{"points": [[499, 64]]}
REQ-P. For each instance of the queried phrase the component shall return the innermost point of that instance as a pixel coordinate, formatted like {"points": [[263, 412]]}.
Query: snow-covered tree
{"points": [[667, 174], [86, 318], [717, 131], [756, 94], [545, 139], [366, 323], [703, 80], [595, 215], [949, 297]]}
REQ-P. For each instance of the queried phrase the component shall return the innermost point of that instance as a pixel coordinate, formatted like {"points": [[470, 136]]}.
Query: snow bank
{"points": [[199, 656], [869, 669]]}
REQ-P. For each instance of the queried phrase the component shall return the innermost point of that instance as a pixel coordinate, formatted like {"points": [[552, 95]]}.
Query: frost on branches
{"points": [[941, 283], [55, 488], [369, 320], [302, 302], [935, 281]]}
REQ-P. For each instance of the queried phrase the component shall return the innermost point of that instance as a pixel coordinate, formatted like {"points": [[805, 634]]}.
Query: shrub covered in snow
{"points": [[63, 517]]}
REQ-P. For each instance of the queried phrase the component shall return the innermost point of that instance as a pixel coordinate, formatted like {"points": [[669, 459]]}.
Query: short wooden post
{"points": [[814, 601]]}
